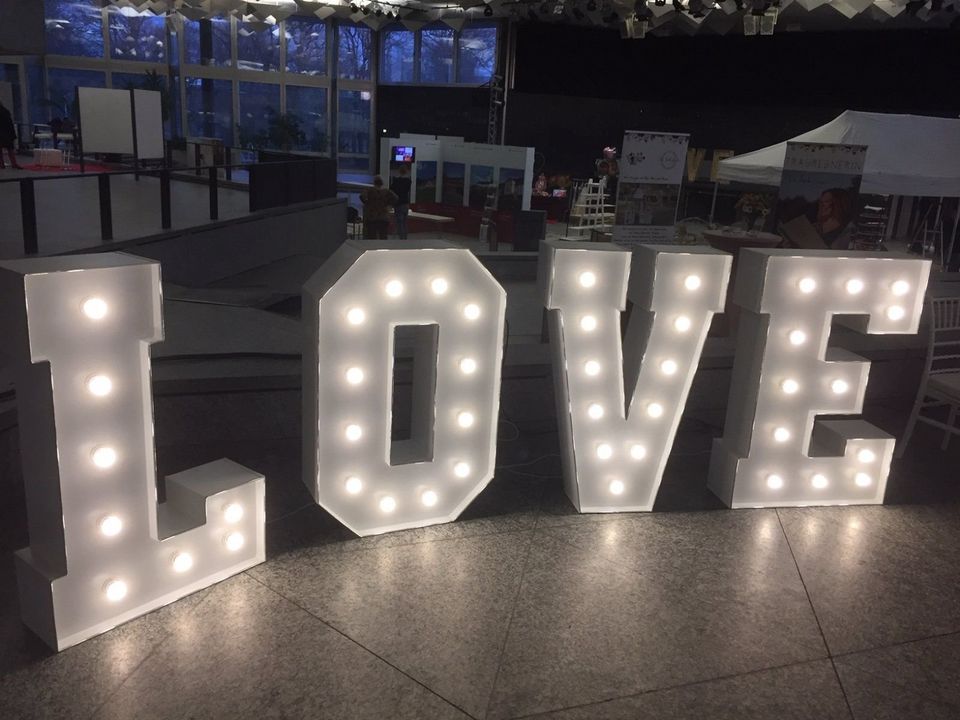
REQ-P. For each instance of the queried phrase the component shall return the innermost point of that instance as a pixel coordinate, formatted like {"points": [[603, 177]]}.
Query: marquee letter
{"points": [[774, 452], [367, 297], [618, 405], [76, 332]]}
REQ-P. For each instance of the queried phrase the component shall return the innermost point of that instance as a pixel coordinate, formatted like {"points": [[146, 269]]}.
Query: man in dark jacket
{"points": [[8, 136], [376, 203]]}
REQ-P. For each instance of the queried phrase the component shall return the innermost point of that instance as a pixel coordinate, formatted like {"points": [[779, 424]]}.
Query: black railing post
{"points": [[28, 215], [165, 199], [106, 209], [214, 195]]}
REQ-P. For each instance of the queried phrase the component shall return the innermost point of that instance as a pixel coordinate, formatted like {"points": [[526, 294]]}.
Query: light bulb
{"points": [[588, 323], [781, 434], [588, 279], [353, 433], [797, 337], [471, 311], [234, 541], [465, 419], [638, 452], [807, 285], [439, 286], [692, 282], [682, 323], [356, 316], [353, 485], [863, 480], [616, 487], [354, 375], [104, 457], [394, 288], [468, 366], [182, 562], [819, 481], [866, 456], [654, 410], [668, 367], [854, 286], [895, 312], [900, 287], [111, 525], [99, 385], [387, 504], [115, 590], [233, 513], [604, 451], [428, 498], [774, 482], [461, 469], [839, 387], [591, 367], [94, 308], [595, 411], [790, 386]]}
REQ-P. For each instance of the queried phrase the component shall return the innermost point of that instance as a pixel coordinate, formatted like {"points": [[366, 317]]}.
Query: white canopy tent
{"points": [[907, 154]]}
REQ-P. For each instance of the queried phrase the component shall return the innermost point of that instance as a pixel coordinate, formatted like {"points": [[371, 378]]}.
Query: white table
{"points": [[440, 220]]}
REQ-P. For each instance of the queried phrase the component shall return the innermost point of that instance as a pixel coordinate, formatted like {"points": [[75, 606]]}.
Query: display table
{"points": [[439, 220]]}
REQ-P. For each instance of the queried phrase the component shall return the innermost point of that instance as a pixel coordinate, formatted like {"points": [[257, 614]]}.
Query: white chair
{"points": [[940, 385]]}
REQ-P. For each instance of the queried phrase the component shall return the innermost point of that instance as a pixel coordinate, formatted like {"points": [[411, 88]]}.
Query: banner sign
{"points": [[651, 171]]}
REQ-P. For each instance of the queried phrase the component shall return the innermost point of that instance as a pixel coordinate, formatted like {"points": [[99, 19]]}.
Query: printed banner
{"points": [[819, 199], [651, 171]]}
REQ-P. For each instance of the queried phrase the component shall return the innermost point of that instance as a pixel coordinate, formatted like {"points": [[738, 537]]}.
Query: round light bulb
{"points": [[807, 285], [354, 375], [692, 282], [900, 287], [428, 498], [99, 385], [111, 525], [234, 541], [461, 469], [790, 386], [588, 323], [233, 513], [471, 311], [781, 434], [595, 411], [353, 433], [353, 485], [104, 457], [839, 387], [866, 456], [895, 312], [604, 451], [468, 366], [682, 323], [638, 452], [94, 308], [588, 279], [654, 410], [115, 590], [387, 504], [819, 481], [591, 367], [854, 286], [182, 562], [394, 288], [863, 480], [668, 367], [797, 337], [774, 482], [465, 419], [439, 286], [356, 316], [616, 487]]}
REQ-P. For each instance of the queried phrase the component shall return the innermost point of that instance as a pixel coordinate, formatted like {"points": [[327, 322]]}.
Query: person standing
{"points": [[376, 215], [8, 136], [401, 188]]}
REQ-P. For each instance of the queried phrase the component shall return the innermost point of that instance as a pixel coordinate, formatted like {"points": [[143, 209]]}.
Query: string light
{"points": [[115, 590], [95, 308], [100, 385], [182, 562], [104, 457]]}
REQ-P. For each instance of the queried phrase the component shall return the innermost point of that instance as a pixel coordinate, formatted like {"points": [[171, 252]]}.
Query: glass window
{"points": [[426, 181], [210, 108], [307, 107], [452, 191], [259, 110], [478, 54], [11, 73], [207, 42], [397, 62], [39, 109], [258, 49], [61, 89], [353, 51], [74, 27], [306, 45], [136, 36], [353, 138], [436, 55]]}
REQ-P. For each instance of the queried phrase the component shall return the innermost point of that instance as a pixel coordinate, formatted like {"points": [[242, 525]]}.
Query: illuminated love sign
{"points": [[76, 332]]}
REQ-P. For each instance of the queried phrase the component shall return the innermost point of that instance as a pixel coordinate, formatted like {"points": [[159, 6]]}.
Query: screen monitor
{"points": [[403, 153]]}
